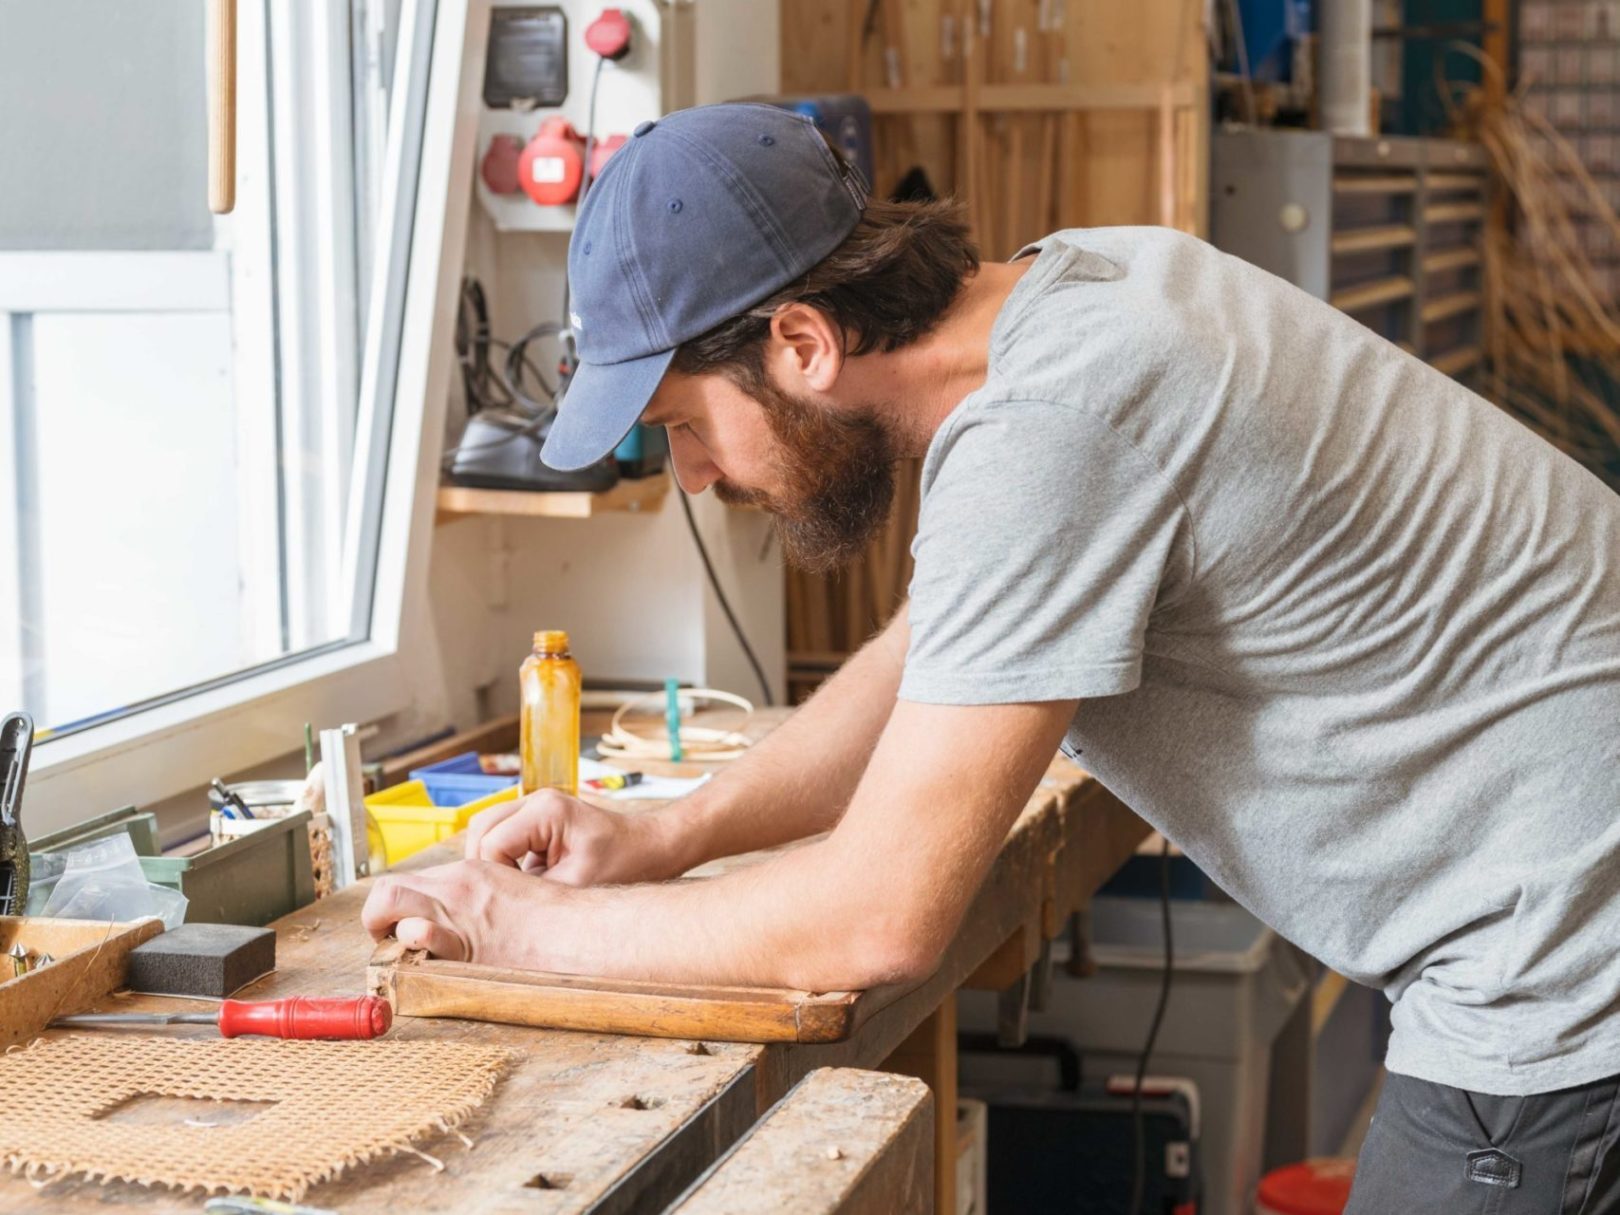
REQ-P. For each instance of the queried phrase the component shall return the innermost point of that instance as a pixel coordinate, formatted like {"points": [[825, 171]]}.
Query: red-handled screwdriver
{"points": [[297, 1017]]}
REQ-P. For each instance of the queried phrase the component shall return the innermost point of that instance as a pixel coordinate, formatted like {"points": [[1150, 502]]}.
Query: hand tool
{"points": [[231, 801], [236, 1204], [297, 1017], [16, 743], [617, 780]]}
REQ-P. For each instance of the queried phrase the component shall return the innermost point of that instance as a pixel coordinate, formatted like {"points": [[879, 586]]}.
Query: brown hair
{"points": [[887, 285]]}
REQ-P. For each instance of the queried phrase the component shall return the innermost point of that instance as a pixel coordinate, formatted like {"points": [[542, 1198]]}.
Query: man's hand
{"points": [[573, 842], [876, 902], [468, 911]]}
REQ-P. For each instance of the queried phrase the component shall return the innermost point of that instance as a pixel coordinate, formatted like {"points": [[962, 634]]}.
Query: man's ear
{"points": [[806, 350]]}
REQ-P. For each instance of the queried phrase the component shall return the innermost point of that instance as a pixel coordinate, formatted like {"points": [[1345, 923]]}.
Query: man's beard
{"points": [[838, 470]]}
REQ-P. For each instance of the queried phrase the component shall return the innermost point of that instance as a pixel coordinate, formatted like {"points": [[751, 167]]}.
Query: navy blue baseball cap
{"points": [[698, 217]]}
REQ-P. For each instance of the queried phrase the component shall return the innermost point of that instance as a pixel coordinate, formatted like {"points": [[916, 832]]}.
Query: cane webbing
{"points": [[336, 1104]]}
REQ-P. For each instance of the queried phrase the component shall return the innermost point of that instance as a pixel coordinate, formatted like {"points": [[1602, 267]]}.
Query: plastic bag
{"points": [[102, 880], [45, 870]]}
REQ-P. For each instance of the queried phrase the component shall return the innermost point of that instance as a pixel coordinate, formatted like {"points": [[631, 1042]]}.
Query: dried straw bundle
{"points": [[1552, 337]]}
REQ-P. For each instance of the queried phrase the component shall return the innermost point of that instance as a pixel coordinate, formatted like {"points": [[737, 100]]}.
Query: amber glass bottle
{"points": [[549, 679]]}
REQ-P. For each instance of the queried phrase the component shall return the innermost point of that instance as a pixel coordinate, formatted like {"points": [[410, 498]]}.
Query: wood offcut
{"points": [[91, 957], [420, 986]]}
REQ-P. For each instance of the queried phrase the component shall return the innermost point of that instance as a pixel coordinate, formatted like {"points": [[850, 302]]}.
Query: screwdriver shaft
{"points": [[89, 1019]]}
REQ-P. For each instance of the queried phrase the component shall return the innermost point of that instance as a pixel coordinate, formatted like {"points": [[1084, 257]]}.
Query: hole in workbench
{"points": [[698, 1048], [641, 1103], [548, 1181]]}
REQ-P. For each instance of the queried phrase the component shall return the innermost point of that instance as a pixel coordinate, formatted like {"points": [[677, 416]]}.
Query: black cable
{"points": [[517, 358], [1138, 1131], [725, 605], [570, 359], [586, 178], [480, 382], [492, 389]]}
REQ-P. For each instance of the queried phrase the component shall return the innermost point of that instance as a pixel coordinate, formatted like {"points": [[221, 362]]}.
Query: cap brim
{"points": [[602, 404]]}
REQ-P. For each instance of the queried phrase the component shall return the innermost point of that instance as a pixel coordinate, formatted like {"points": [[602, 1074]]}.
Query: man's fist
{"points": [[471, 911], [572, 841]]}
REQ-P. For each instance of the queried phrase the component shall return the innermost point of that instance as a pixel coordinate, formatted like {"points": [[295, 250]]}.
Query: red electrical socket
{"points": [[553, 163], [609, 34], [500, 164], [601, 150]]}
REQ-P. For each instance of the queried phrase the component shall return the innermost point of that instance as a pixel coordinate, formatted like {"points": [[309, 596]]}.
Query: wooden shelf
{"points": [[642, 494], [1367, 295], [1459, 258], [1381, 183], [1365, 240], [1448, 183], [1030, 98], [1455, 362], [1453, 213], [1451, 305]]}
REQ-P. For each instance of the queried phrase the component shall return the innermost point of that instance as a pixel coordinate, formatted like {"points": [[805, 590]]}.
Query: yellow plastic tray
{"points": [[410, 822]]}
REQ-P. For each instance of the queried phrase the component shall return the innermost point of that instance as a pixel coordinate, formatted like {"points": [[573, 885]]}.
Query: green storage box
{"points": [[250, 880], [140, 827]]}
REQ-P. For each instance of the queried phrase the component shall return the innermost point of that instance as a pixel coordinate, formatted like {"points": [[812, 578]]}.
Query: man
{"points": [[1346, 633]]}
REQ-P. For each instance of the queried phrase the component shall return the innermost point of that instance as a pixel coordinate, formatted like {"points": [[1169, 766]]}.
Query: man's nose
{"points": [[693, 469]]}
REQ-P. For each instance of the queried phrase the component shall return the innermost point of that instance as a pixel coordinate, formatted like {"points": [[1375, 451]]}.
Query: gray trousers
{"points": [[1433, 1150]]}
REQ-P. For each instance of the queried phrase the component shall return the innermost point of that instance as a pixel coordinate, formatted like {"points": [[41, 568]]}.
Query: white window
{"points": [[208, 436]]}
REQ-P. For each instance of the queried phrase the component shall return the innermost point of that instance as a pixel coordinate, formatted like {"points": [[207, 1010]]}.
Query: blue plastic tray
{"points": [[459, 780]]}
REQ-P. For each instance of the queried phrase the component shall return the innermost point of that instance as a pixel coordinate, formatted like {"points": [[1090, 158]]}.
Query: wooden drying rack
{"points": [[1175, 104], [1038, 65], [1040, 115]]}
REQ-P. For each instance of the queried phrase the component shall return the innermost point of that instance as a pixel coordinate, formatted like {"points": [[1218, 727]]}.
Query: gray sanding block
{"points": [[202, 960]]}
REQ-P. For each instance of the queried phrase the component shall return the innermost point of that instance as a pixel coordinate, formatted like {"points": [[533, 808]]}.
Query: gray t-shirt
{"points": [[1348, 634]]}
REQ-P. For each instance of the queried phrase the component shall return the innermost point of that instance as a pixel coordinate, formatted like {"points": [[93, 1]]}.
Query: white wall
{"points": [[628, 588]]}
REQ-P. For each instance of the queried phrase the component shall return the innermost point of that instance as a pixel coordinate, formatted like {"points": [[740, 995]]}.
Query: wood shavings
{"points": [[450, 1130], [438, 1165]]}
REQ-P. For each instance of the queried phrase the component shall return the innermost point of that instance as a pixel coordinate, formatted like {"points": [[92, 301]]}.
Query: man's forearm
{"points": [[797, 781], [876, 902]]}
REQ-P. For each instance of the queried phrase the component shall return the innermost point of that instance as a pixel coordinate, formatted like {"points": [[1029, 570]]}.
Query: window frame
{"points": [[258, 716]]}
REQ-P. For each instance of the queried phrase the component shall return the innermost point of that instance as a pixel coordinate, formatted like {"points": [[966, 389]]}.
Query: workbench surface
{"points": [[587, 1122]]}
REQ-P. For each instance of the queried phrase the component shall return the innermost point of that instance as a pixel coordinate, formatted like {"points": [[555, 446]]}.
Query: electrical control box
{"points": [[539, 68], [526, 63]]}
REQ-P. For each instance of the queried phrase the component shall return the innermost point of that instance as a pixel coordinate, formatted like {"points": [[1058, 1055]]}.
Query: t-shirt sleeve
{"points": [[1043, 543]]}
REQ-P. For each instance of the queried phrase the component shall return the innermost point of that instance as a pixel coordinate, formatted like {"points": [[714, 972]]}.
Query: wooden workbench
{"points": [[597, 1123]]}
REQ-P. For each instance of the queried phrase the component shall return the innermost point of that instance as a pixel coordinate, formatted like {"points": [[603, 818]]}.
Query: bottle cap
{"points": [[551, 641]]}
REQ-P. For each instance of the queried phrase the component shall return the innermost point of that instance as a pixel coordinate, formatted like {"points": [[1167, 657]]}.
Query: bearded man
{"points": [[1343, 631]]}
